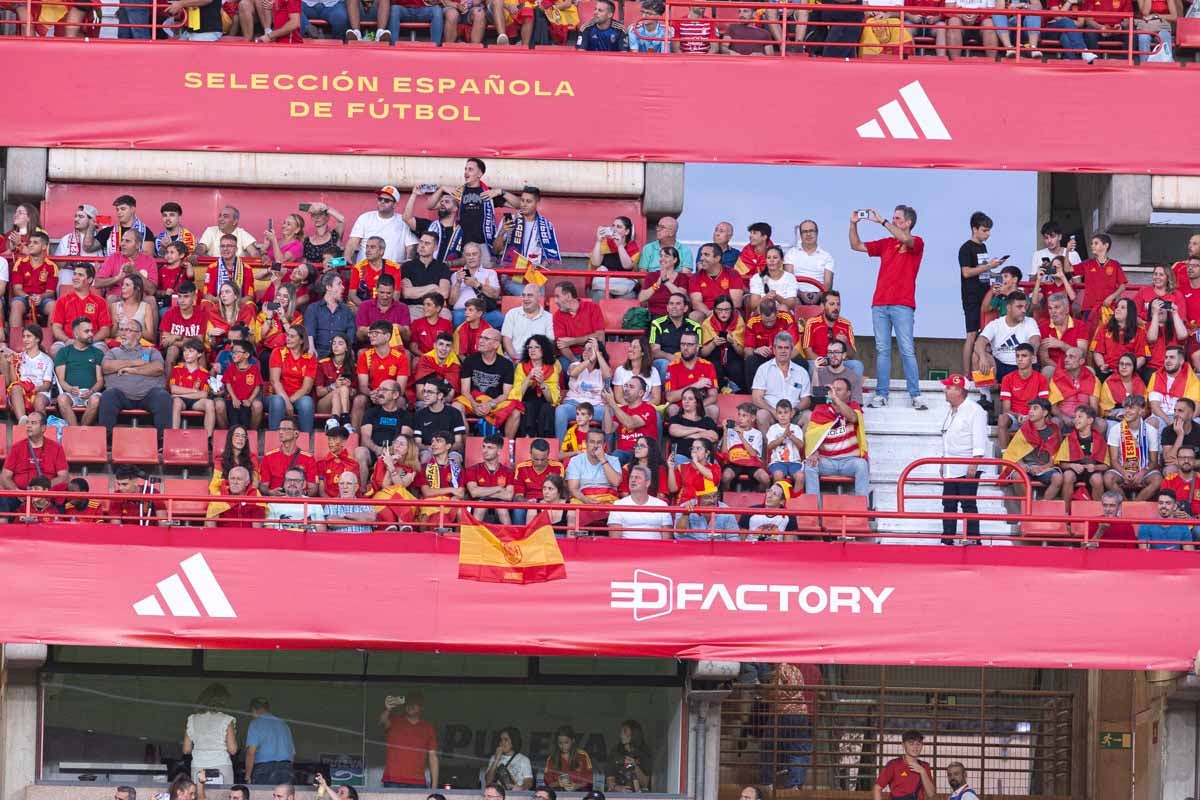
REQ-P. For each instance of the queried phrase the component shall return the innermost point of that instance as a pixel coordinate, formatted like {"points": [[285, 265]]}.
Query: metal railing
{"points": [[1011, 741]]}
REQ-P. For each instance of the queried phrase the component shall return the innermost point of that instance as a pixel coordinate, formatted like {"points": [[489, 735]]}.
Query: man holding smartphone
{"points": [[975, 268]]}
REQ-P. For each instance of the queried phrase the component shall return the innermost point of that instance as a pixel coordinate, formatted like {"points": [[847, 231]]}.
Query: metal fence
{"points": [[1012, 742]]}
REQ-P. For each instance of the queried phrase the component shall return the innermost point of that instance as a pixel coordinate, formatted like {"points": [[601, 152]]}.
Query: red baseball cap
{"points": [[955, 380]]}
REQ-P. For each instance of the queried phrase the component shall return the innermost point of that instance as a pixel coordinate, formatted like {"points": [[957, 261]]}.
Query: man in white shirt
{"points": [[652, 523], [385, 223], [209, 243], [996, 347], [521, 323], [806, 259], [291, 516], [781, 379], [962, 14], [964, 436], [81, 241], [1052, 237], [1134, 452]]}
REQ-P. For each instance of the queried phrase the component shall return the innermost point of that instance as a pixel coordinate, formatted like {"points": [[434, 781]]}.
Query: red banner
{"points": [[866, 604], [426, 101]]}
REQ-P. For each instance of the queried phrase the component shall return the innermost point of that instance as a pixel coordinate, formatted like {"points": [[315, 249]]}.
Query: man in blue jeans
{"points": [[417, 11], [269, 746], [136, 13], [895, 302]]}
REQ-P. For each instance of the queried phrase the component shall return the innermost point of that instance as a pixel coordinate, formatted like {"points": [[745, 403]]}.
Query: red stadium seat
{"points": [[85, 444], [474, 452], [1140, 509], [854, 526], [521, 448], [508, 303], [98, 484], [617, 353], [728, 403], [137, 446], [742, 499], [185, 448], [1048, 530], [192, 509], [806, 526], [614, 312]]}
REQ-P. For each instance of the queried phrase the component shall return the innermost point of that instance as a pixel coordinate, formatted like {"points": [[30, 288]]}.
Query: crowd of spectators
{"points": [[951, 28], [390, 335]]}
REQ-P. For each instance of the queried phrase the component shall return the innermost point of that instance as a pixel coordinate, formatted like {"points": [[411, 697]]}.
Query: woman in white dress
{"points": [[27, 374], [211, 734], [775, 283], [509, 767]]}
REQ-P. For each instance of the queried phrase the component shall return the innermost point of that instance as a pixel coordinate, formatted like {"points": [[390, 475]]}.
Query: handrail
{"points": [[447, 511], [1022, 477]]}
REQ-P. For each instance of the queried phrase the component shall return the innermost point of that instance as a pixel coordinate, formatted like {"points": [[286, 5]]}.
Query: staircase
{"points": [[897, 435]]}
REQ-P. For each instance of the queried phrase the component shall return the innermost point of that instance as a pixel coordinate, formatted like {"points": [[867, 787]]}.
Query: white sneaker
{"points": [[352, 35], [1010, 53], [919, 403], [349, 428], [502, 39], [1089, 57], [383, 37], [331, 423], [1035, 53], [877, 401]]}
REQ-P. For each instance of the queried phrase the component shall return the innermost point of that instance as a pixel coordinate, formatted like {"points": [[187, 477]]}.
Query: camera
{"points": [[364, 292], [862, 213], [1168, 306]]}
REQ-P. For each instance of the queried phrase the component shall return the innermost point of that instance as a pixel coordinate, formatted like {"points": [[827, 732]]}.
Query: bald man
{"points": [[664, 236]]}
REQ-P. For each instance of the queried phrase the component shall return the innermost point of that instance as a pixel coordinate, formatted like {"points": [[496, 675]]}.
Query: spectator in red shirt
{"points": [[189, 387], [926, 24], [243, 402], [907, 776], [365, 275], [491, 481], [235, 509], [293, 373], [338, 461], [80, 302], [34, 456], [181, 321], [1060, 332], [275, 464], [1112, 534], [411, 743], [712, 280], [631, 419], [279, 20], [1103, 279], [668, 280], [425, 330], [34, 282], [895, 302], [575, 322], [530, 474], [175, 271], [129, 260], [689, 369], [1016, 390], [135, 508], [383, 307], [1105, 27], [759, 337], [697, 32]]}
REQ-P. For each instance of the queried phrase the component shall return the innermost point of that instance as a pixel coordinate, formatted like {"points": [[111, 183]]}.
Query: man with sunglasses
{"points": [[385, 223]]}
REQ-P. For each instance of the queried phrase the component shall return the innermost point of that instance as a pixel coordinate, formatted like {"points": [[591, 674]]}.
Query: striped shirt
{"points": [[841, 441], [694, 34]]}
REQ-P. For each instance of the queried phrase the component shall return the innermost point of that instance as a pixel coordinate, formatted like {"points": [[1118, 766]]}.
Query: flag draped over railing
{"points": [[509, 553]]}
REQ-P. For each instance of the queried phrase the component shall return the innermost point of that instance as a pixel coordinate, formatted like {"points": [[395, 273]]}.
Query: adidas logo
{"points": [[179, 602], [896, 121]]}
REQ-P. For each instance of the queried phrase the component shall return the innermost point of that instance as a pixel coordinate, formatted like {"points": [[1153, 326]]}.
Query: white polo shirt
{"points": [[964, 435], [518, 326], [776, 386], [648, 524], [805, 265]]}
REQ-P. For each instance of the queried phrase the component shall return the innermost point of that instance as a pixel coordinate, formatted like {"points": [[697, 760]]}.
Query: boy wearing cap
{"points": [[81, 241], [385, 223]]}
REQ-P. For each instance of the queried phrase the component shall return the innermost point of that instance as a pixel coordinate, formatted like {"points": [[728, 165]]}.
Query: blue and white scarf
{"points": [[545, 233]]}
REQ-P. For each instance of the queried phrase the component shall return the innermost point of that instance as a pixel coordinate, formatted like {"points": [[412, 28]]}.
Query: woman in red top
{"points": [[270, 326], [615, 251], [336, 380], [646, 453], [1162, 287], [230, 311], [568, 768], [696, 476], [1156, 17], [391, 480], [659, 286], [26, 220], [1164, 328], [1123, 334], [1119, 385]]}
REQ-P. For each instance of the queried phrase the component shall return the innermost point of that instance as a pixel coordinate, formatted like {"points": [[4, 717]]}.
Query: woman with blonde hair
{"points": [[211, 734]]}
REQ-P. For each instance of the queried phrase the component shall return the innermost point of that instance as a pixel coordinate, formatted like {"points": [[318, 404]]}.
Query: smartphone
{"points": [[427, 188], [729, 424], [606, 231], [272, 306], [276, 267], [270, 223], [1005, 258], [212, 776], [340, 261], [862, 213], [305, 206]]}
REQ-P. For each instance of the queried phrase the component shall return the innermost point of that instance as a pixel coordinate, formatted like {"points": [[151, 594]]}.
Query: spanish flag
{"points": [[822, 422], [1027, 441], [1185, 385], [532, 273], [509, 553]]}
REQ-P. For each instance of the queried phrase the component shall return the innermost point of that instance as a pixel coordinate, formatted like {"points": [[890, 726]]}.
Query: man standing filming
{"points": [[907, 777], [895, 302]]}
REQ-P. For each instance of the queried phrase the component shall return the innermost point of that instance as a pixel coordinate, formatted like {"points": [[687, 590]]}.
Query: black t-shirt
{"points": [[973, 254], [443, 241], [470, 214], [427, 422], [489, 379], [684, 446], [386, 425], [1190, 439], [416, 273], [210, 17]]}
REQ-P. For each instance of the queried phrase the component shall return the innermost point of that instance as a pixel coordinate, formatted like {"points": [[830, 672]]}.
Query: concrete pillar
{"points": [[663, 192], [25, 174], [1110, 708], [19, 666], [1119, 205], [1167, 736]]}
